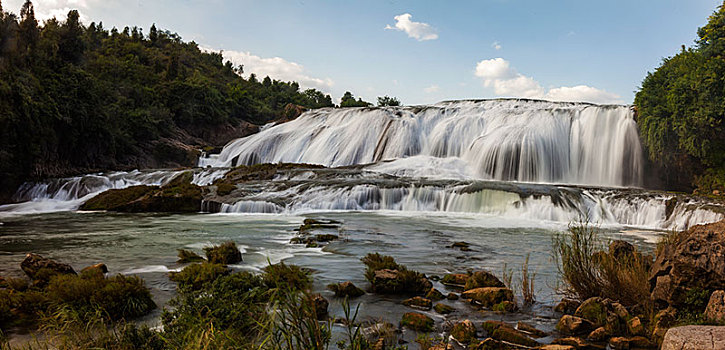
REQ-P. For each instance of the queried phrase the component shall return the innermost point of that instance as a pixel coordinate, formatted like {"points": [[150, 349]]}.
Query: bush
{"points": [[283, 276], [225, 253], [403, 282], [197, 276]]}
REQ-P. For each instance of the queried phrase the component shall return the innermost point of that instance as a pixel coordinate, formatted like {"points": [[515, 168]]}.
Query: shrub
{"points": [[225, 253], [403, 282], [197, 276], [283, 276], [375, 262]]}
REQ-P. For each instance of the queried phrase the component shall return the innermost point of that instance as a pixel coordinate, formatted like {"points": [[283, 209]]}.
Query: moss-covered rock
{"points": [[488, 296], [481, 279], [594, 310], [464, 332], [116, 199], [388, 277], [452, 296], [434, 294], [490, 326], [573, 325], [223, 189], [345, 290], [187, 256], [418, 303], [443, 309], [505, 306], [514, 336], [41, 269], [531, 330], [225, 253], [417, 322], [455, 279], [567, 306]]}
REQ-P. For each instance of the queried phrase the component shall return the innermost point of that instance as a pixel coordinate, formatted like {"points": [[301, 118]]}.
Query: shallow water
{"points": [[146, 245]]}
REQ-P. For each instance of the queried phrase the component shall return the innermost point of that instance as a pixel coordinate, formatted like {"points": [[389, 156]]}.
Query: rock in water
{"points": [[40, 268], [345, 289], [489, 296], [694, 337]]}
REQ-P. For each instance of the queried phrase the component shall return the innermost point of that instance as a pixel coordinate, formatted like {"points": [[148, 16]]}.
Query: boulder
{"points": [[443, 309], [715, 311], [321, 305], [42, 269], [417, 322], [593, 309], [621, 249], [489, 296], [490, 326], [513, 336], [452, 296], [567, 306], [635, 327], [434, 294], [531, 330], [598, 335], [573, 325], [625, 343], [345, 290], [464, 332], [99, 269], [482, 279], [576, 342], [505, 306], [694, 337], [663, 321], [418, 303], [694, 259], [455, 279], [389, 281]]}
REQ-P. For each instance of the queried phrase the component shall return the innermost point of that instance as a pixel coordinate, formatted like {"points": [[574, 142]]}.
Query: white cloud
{"points": [[47, 9], [431, 89], [418, 30], [496, 45], [276, 68], [498, 74]]}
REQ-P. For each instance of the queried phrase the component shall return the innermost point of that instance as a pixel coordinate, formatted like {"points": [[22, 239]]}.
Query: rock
{"points": [[187, 256], [694, 260], [531, 330], [482, 279], [491, 344], [663, 321], [99, 269], [567, 306], [514, 336], [418, 303], [452, 296], [715, 311], [621, 249], [620, 311], [345, 289], [417, 322], [177, 196], [594, 310], [321, 305], [573, 325], [463, 246], [379, 345], [455, 279], [694, 337], [505, 306], [326, 237], [441, 346], [464, 332], [225, 253], [443, 309], [577, 343], [556, 347], [490, 326], [489, 296], [634, 326], [625, 343], [598, 335], [434, 294], [389, 281], [42, 269]]}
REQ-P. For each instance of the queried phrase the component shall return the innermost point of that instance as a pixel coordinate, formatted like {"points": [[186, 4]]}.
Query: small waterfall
{"points": [[512, 140]]}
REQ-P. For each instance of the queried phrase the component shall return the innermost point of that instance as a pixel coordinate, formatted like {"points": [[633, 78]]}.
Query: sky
{"points": [[424, 52]]}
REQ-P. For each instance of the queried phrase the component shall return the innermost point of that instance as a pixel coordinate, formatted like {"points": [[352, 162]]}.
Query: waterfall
{"points": [[508, 139]]}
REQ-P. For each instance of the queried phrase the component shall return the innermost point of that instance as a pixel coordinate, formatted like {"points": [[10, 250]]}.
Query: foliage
{"points": [[405, 281], [388, 101], [527, 283], [197, 276], [348, 100], [76, 97], [187, 256], [680, 107], [225, 253]]}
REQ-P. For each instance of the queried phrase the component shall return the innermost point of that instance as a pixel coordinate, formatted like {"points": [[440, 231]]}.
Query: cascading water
{"points": [[518, 140]]}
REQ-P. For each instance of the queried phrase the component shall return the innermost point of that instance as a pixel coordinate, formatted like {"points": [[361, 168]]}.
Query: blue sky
{"points": [[596, 51]]}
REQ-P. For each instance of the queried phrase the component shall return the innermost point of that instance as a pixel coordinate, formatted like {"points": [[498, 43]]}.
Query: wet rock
{"points": [[455, 279], [417, 322], [491, 344], [443, 309], [573, 325], [577, 343], [625, 343], [42, 269], [694, 259], [531, 330], [598, 335], [187, 256], [514, 336], [225, 253], [464, 332], [388, 281], [321, 305], [178, 196], [463, 246], [635, 327], [99, 269], [418, 303], [594, 310], [345, 289], [434, 294], [482, 279], [452, 296], [505, 306], [694, 337], [567, 306], [441, 346], [715, 311], [489, 296], [490, 326], [326, 237]]}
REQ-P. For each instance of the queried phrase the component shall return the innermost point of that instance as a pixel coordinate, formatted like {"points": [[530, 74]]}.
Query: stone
{"points": [[694, 259], [556, 347], [715, 311], [531, 330], [489, 296], [505, 306], [441, 346], [594, 310], [567, 306], [621, 249], [620, 311], [455, 279], [388, 281], [434, 294], [482, 279], [694, 337], [345, 290], [490, 326], [514, 336], [663, 321], [321, 305], [418, 303], [491, 344], [98, 269], [42, 269], [464, 332], [625, 343], [635, 327], [573, 325], [452, 296], [598, 335], [577, 343], [417, 322], [443, 309]]}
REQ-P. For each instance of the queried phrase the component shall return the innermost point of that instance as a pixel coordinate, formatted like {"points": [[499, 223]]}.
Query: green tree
{"points": [[388, 101], [348, 100]]}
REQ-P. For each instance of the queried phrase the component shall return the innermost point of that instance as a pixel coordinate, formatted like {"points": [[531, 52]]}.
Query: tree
{"points": [[153, 34], [388, 101], [71, 45], [29, 31], [348, 100]]}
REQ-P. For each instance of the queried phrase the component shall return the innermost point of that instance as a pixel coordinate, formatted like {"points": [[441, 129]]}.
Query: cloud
{"points": [[47, 9], [418, 30], [276, 68], [498, 74], [431, 89], [496, 45]]}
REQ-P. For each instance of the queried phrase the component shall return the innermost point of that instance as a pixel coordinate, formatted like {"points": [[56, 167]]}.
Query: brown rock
{"points": [[455, 279], [556, 347], [576, 342], [621, 249], [531, 330], [634, 326], [593, 309], [598, 335], [321, 305], [663, 321], [488, 296], [97, 269], [418, 303], [694, 337], [491, 344], [620, 311], [567, 306], [40, 268], [464, 332], [482, 279], [434, 294], [346, 289], [513, 336], [573, 325], [452, 296], [490, 326], [715, 311], [417, 322]]}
